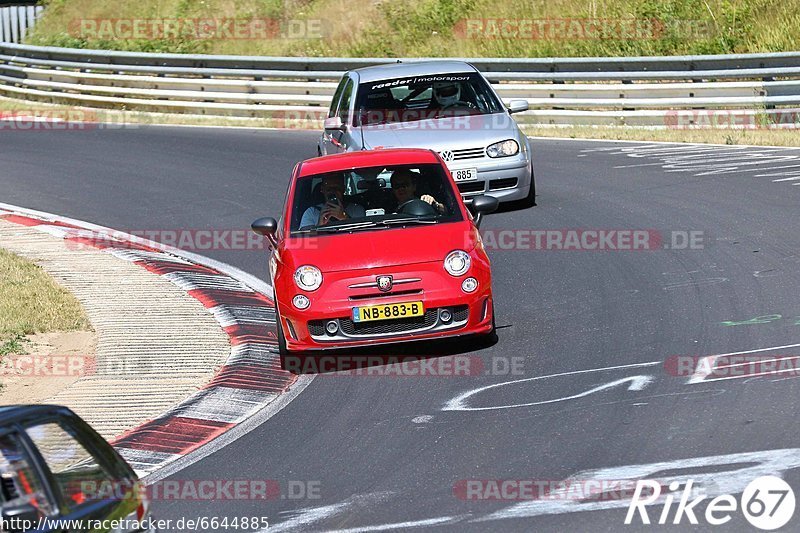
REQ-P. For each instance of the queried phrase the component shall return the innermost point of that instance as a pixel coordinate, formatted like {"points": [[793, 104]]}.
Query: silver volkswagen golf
{"points": [[447, 106]]}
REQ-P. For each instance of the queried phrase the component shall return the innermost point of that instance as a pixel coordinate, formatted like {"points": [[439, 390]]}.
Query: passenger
{"points": [[333, 208]]}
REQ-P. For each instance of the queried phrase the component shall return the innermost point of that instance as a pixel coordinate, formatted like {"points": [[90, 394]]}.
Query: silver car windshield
{"points": [[374, 198], [424, 97]]}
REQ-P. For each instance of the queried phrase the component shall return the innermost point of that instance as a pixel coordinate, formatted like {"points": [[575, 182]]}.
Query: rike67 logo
{"points": [[767, 503]]}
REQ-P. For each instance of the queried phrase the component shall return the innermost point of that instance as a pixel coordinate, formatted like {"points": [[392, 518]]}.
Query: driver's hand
{"points": [[428, 199], [332, 211]]}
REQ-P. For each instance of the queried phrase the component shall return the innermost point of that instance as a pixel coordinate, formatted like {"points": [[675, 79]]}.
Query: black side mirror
{"points": [[20, 514], [484, 205], [266, 226]]}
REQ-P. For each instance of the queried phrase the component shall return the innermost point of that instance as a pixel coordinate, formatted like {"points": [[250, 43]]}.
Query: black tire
{"points": [[490, 338], [282, 349], [530, 200]]}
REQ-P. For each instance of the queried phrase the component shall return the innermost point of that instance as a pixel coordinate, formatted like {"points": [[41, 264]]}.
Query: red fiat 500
{"points": [[377, 247]]}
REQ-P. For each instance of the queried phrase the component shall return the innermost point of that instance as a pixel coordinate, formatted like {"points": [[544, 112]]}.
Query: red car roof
{"points": [[366, 158]]}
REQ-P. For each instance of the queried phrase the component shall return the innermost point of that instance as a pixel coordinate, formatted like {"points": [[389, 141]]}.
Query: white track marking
{"points": [[714, 481], [694, 283], [706, 160], [705, 368], [305, 517], [777, 173], [758, 374], [400, 525], [637, 383]]}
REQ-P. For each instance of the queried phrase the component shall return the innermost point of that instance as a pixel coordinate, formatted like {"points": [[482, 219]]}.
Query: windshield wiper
{"points": [[343, 227], [365, 224], [415, 220]]}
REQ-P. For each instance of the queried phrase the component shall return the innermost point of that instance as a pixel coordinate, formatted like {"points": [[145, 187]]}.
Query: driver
{"points": [[332, 190], [446, 93], [404, 187]]}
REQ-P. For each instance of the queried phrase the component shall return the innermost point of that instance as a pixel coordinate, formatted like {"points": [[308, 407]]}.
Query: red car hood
{"points": [[379, 248]]}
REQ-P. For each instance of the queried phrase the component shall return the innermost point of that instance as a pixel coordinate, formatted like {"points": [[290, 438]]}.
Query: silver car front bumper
{"points": [[505, 180]]}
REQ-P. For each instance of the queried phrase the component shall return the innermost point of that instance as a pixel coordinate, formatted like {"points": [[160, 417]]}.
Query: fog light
{"points": [[469, 285], [332, 327], [301, 302], [445, 315]]}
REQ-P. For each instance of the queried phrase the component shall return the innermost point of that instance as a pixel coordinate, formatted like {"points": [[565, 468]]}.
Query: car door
{"points": [[89, 480], [325, 146], [338, 140]]}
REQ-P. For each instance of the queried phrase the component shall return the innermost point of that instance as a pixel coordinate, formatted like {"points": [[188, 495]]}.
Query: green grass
{"points": [[32, 302], [15, 344], [392, 28]]}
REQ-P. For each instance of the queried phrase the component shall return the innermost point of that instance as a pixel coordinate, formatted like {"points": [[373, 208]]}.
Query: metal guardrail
{"points": [[16, 19], [643, 91]]}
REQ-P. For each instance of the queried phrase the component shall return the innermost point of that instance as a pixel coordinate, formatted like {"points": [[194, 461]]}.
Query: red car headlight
{"points": [[308, 278], [457, 263]]}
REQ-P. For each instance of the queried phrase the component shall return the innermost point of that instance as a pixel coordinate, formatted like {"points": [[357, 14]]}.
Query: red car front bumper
{"points": [[470, 313]]}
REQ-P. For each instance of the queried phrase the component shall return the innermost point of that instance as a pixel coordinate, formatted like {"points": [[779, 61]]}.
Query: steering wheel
{"points": [[416, 207], [460, 103]]}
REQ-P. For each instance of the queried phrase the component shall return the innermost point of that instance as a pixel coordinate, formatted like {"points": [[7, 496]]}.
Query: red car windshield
{"points": [[424, 97], [373, 198]]}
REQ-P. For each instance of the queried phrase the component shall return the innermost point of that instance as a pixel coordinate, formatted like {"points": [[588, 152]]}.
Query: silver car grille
{"points": [[463, 153]]}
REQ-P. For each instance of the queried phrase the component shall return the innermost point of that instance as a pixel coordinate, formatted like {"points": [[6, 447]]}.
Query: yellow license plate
{"points": [[388, 311]]}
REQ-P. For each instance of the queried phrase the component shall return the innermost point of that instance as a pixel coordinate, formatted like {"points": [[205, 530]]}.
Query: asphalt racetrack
{"points": [[588, 387]]}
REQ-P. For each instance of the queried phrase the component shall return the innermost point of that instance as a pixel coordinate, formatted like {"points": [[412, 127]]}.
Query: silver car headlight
{"points": [[457, 263], [308, 278], [505, 148]]}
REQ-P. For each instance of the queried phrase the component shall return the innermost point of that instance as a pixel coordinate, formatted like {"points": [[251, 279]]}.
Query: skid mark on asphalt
{"points": [[713, 160]]}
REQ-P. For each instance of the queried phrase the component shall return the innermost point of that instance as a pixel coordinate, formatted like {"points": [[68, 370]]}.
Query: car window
{"points": [[423, 97], [20, 483], [78, 475], [344, 105], [375, 197], [336, 96]]}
